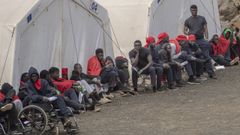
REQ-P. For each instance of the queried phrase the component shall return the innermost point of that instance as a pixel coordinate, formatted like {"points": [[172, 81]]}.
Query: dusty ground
{"points": [[212, 108]]}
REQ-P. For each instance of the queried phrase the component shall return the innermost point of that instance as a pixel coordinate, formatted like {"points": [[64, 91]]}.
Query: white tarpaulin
{"points": [[170, 15], [129, 21], [136, 19], [45, 33]]}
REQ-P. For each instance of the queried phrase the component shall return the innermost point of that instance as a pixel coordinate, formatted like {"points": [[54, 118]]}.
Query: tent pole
{"points": [[5, 61]]}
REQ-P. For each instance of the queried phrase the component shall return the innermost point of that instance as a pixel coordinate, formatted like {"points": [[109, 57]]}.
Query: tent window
{"points": [[29, 18]]}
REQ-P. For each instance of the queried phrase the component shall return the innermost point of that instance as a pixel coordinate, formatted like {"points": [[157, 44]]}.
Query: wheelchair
{"points": [[4, 125], [43, 119]]}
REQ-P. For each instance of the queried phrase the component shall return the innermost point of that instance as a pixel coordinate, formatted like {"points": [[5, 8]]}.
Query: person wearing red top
{"points": [[8, 107], [219, 48], [67, 91], [8, 94], [95, 64]]}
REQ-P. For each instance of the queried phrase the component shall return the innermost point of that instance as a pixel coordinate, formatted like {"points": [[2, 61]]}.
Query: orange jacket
{"points": [[94, 66]]}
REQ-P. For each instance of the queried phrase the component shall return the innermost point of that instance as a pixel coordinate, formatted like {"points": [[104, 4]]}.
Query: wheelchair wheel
{"points": [[34, 119], [4, 126]]}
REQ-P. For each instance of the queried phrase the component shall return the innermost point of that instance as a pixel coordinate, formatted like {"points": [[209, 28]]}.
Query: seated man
{"points": [[197, 53], [157, 63], [8, 94], [91, 86], [186, 56], [122, 65], [23, 92], [172, 68], [10, 105], [40, 91], [66, 89], [141, 61], [95, 65], [9, 110]]}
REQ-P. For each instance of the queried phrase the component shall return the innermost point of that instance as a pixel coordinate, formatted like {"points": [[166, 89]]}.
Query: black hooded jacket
{"points": [[35, 94]]}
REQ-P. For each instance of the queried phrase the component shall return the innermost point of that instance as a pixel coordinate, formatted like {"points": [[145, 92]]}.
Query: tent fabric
{"points": [[45, 33], [170, 15], [129, 21]]}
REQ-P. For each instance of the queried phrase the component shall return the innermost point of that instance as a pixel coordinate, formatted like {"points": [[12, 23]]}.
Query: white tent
{"points": [[45, 33], [170, 15], [129, 21], [136, 19]]}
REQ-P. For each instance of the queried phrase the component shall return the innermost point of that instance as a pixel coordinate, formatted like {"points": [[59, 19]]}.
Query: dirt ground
{"points": [[211, 108]]}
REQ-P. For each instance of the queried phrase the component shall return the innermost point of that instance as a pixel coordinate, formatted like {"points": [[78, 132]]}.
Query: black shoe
{"points": [[171, 87], [76, 111], [154, 89], [90, 107], [71, 129], [213, 76], [180, 84], [193, 81], [135, 89]]}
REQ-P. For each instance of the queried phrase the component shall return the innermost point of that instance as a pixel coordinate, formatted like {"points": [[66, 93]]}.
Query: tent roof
{"points": [[110, 3], [16, 9]]}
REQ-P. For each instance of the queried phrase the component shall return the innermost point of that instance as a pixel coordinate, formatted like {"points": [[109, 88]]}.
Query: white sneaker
{"points": [[110, 96], [104, 100]]}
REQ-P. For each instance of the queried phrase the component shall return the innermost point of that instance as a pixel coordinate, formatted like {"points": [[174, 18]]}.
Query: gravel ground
{"points": [[211, 108]]}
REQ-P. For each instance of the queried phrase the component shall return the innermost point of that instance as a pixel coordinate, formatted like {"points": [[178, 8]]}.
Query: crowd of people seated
{"points": [[163, 60]]}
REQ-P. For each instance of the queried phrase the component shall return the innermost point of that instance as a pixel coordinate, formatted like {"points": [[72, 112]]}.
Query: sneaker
{"points": [[90, 107], [213, 76], [160, 89], [71, 129], [234, 61], [6, 107], [67, 123], [104, 100], [172, 87], [154, 89], [97, 109], [109, 96], [201, 79], [16, 132], [180, 84], [193, 81]]}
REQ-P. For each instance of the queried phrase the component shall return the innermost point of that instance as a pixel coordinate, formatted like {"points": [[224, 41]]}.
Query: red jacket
{"points": [[94, 66], [222, 46], [2, 97], [178, 47], [63, 85]]}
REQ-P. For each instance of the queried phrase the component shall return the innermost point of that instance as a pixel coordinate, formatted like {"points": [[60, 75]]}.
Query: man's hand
{"points": [[166, 66]]}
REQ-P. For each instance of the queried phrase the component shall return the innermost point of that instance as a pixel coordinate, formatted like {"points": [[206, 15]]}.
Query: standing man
{"points": [[141, 61], [197, 25]]}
